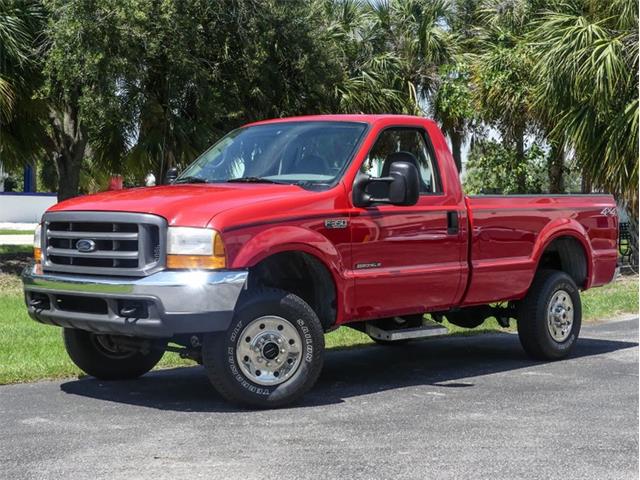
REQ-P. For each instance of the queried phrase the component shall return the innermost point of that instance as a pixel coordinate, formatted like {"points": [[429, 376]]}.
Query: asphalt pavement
{"points": [[448, 408]]}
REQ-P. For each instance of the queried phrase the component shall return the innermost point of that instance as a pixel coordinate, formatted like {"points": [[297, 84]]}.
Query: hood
{"points": [[183, 205]]}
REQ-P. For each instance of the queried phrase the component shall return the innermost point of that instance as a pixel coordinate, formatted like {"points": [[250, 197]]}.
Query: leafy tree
{"points": [[98, 87], [452, 106], [491, 165], [200, 68], [371, 79], [503, 76], [22, 131], [143, 85], [587, 66], [391, 52], [16, 39]]}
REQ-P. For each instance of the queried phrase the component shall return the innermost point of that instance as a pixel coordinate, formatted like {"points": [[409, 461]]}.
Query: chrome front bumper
{"points": [[170, 302]]}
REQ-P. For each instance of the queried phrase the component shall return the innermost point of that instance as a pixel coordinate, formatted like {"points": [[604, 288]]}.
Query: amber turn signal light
{"points": [[192, 262]]}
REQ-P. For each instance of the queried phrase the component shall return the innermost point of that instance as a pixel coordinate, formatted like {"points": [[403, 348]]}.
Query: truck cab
{"points": [[289, 228]]}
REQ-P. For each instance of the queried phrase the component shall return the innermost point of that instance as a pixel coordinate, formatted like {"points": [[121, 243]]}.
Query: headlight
{"points": [[194, 248], [37, 244]]}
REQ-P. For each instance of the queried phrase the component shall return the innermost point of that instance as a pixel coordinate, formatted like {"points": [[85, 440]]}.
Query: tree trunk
{"points": [[68, 175], [521, 173], [456, 148], [70, 142], [556, 169]]}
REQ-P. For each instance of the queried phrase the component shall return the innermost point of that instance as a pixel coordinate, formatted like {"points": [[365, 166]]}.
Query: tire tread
{"points": [[532, 325], [214, 343], [85, 356]]}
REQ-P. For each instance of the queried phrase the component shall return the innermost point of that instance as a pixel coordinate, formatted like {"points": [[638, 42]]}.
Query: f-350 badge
{"points": [[336, 223]]}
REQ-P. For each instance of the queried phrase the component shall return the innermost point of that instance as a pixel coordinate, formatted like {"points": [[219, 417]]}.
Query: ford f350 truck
{"points": [[286, 229]]}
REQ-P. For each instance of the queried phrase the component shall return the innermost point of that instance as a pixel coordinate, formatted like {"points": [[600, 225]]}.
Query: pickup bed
{"points": [[286, 229]]}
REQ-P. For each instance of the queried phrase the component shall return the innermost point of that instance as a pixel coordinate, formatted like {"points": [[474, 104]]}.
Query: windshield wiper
{"points": [[253, 180], [192, 179]]}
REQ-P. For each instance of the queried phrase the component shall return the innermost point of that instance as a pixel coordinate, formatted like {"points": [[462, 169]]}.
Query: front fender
{"points": [[288, 238], [299, 239]]}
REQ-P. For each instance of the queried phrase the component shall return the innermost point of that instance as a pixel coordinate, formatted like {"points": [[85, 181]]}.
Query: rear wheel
{"points": [[550, 316], [271, 354], [104, 357]]}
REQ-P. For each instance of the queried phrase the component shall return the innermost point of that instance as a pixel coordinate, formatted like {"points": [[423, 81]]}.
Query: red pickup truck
{"points": [[289, 228]]}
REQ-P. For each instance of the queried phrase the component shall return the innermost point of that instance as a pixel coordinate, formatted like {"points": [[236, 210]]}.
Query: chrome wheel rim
{"points": [[269, 351], [560, 316]]}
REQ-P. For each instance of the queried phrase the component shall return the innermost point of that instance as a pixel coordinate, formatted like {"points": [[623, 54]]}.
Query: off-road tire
{"points": [[219, 350], [94, 360], [532, 316]]}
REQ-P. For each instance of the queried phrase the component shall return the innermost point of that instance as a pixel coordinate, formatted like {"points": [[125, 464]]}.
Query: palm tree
{"points": [[502, 71], [372, 71], [587, 64], [22, 130], [391, 51], [16, 42]]}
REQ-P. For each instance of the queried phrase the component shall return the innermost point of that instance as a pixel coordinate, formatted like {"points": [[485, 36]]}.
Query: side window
{"points": [[409, 140]]}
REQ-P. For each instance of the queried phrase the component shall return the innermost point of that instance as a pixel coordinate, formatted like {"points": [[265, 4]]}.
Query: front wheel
{"points": [[271, 354], [550, 316], [104, 357]]}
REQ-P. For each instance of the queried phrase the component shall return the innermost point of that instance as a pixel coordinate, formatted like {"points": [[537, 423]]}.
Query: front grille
{"points": [[103, 243]]}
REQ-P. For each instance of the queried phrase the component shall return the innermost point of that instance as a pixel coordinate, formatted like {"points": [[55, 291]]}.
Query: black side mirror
{"points": [[403, 185], [171, 176]]}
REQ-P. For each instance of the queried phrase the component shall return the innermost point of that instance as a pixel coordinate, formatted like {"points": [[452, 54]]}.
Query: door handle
{"points": [[453, 225]]}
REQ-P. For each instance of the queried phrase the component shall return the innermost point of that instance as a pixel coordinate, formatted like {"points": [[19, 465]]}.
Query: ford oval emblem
{"points": [[85, 245]]}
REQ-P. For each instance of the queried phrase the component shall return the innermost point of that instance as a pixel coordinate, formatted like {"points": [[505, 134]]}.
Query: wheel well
{"points": [[566, 254], [303, 275]]}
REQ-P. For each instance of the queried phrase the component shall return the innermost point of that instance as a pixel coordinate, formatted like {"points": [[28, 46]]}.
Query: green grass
{"points": [[10, 249], [16, 232], [30, 351]]}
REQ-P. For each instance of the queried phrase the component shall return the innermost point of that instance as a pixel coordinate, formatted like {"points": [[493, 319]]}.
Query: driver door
{"points": [[406, 259]]}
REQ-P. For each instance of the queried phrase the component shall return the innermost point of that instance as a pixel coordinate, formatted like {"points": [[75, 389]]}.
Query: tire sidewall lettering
{"points": [[237, 375], [308, 340], [225, 369]]}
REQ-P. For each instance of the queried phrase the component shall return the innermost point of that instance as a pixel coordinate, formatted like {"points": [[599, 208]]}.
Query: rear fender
{"points": [[564, 227]]}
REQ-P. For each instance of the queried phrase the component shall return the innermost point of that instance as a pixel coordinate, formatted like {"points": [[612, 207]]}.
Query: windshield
{"points": [[288, 152]]}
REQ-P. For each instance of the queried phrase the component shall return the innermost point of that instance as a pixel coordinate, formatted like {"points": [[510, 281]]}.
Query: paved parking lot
{"points": [[458, 407]]}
